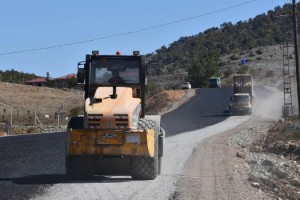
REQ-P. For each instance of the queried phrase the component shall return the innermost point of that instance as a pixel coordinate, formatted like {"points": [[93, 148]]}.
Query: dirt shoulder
{"points": [[168, 100], [226, 167]]}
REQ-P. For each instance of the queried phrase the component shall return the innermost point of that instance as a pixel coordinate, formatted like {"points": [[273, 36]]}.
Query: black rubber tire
{"points": [[76, 123], [145, 167], [79, 167]]}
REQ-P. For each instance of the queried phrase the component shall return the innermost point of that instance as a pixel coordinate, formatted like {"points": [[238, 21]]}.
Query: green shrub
{"points": [[258, 52], [33, 130], [228, 72], [152, 88], [288, 133], [173, 86], [233, 57], [74, 112], [252, 54], [243, 70], [222, 63]]}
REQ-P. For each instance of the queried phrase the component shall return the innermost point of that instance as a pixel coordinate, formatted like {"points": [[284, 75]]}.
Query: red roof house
{"points": [[63, 81], [37, 82]]}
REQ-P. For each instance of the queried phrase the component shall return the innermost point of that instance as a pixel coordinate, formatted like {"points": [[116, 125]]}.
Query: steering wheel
{"points": [[116, 80]]}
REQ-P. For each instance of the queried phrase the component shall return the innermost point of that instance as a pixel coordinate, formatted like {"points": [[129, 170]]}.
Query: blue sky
{"points": [[34, 24]]}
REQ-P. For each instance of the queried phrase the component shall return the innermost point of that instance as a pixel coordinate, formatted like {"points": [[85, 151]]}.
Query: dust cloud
{"points": [[268, 102]]}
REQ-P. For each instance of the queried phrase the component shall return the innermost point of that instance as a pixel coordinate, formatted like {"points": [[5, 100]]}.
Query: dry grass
{"points": [[29, 100], [174, 95], [289, 134], [24, 101], [163, 100], [25, 130], [284, 131]]}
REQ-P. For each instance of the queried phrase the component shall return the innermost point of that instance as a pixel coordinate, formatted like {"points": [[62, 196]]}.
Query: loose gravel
{"points": [[274, 174]]}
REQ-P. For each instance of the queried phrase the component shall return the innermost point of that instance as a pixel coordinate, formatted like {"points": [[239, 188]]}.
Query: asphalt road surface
{"points": [[29, 163], [32, 166], [205, 109]]}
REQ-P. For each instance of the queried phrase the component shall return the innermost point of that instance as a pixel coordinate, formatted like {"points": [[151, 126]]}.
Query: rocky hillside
{"points": [[269, 157]]}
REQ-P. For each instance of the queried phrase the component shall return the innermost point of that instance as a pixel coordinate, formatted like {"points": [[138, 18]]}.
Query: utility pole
{"points": [[287, 89], [296, 54], [12, 75]]}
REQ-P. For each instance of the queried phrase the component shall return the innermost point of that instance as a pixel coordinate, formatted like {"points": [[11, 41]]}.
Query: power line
{"points": [[129, 32]]}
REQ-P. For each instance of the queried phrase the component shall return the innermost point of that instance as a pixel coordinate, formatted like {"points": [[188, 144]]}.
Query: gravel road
{"points": [[33, 166], [214, 171]]}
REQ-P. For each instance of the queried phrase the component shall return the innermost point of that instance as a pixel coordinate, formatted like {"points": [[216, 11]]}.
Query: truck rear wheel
{"points": [[145, 167], [250, 111]]}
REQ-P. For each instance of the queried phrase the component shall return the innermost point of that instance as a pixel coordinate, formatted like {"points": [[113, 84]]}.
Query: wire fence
{"points": [[38, 113]]}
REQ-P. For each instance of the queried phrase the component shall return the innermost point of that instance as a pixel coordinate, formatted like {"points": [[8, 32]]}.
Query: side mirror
{"points": [[80, 76], [80, 72]]}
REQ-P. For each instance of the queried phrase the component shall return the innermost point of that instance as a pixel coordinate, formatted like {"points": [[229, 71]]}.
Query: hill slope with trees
{"points": [[13, 76], [187, 53]]}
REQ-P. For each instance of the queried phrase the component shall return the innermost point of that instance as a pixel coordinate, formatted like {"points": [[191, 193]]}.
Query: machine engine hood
{"points": [[103, 112]]}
